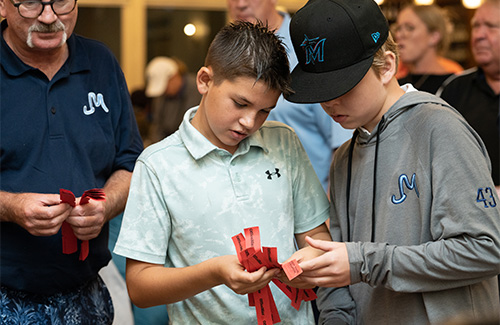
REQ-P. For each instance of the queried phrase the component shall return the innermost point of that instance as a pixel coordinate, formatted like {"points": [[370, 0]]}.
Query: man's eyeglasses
{"points": [[33, 9]]}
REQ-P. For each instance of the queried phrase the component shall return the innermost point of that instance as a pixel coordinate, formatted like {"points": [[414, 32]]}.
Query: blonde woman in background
{"points": [[423, 36]]}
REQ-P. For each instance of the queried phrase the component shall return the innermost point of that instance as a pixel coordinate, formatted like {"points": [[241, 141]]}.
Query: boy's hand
{"points": [[234, 276], [331, 269], [305, 254]]}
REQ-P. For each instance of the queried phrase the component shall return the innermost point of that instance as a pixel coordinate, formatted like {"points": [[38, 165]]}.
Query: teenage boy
{"points": [[414, 216], [223, 170]]}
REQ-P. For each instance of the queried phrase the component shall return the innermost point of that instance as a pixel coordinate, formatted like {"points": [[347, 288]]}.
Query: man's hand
{"points": [[39, 214], [87, 220]]}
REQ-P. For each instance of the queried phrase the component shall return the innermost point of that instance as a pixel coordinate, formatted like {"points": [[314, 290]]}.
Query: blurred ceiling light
{"points": [[471, 4], [424, 2], [379, 2], [189, 29]]}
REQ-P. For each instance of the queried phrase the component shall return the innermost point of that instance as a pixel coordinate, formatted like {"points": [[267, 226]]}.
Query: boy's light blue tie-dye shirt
{"points": [[188, 198]]}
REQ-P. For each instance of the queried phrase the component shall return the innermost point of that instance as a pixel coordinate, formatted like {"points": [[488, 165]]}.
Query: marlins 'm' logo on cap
{"points": [[314, 48], [335, 42]]}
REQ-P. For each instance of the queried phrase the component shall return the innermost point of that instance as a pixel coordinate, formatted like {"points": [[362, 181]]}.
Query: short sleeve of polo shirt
{"points": [[146, 227]]}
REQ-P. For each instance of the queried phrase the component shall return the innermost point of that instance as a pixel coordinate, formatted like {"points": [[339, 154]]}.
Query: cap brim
{"points": [[319, 87]]}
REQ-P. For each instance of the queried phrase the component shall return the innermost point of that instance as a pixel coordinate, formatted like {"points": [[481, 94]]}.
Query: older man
{"points": [[66, 123], [476, 92]]}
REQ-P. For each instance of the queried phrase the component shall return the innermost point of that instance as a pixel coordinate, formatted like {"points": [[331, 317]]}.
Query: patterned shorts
{"points": [[88, 305]]}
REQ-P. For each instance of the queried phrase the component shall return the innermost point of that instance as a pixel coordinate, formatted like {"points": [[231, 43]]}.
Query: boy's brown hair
{"points": [[244, 49]]}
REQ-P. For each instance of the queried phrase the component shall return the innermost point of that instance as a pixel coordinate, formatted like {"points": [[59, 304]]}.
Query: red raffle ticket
{"points": [[69, 240], [252, 256], [292, 269]]}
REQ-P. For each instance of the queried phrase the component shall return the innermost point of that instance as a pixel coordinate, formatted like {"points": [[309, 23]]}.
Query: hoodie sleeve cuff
{"points": [[355, 261]]}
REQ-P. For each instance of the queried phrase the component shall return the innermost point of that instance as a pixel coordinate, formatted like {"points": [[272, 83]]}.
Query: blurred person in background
{"points": [[423, 36], [475, 93], [319, 135], [142, 111], [172, 91]]}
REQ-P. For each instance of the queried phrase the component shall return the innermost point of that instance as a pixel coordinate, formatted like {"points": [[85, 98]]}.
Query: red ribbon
{"points": [[253, 257], [69, 240]]}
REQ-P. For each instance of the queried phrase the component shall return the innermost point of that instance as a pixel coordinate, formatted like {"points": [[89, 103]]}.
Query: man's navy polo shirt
{"points": [[471, 95], [71, 132]]}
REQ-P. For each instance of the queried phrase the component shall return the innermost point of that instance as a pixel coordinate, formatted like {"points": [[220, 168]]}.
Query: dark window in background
{"points": [[165, 34], [102, 24]]}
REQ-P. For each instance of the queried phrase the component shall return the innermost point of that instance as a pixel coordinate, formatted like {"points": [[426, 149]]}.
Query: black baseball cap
{"points": [[335, 42]]}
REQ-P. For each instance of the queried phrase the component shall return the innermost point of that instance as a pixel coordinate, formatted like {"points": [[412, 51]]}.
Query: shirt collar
{"points": [[480, 79], [10, 62], [199, 146]]}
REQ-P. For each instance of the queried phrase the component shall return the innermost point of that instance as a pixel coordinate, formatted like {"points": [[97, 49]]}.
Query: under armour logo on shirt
{"points": [[270, 174], [95, 101]]}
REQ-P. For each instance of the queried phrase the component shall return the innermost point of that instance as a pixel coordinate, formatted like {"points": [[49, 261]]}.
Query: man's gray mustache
{"points": [[57, 26]]}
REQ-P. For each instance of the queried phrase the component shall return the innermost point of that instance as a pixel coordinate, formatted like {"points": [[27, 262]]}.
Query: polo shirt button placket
{"points": [[53, 110]]}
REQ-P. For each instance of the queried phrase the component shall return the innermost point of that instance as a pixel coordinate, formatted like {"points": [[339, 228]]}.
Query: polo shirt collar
{"points": [[78, 59], [10, 62], [480, 78], [199, 146], [78, 56]]}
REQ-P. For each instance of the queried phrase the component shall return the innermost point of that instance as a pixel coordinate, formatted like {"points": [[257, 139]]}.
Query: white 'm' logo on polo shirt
{"points": [[95, 101]]}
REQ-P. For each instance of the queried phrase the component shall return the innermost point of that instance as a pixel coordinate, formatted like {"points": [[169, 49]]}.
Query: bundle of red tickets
{"points": [[69, 240], [253, 257]]}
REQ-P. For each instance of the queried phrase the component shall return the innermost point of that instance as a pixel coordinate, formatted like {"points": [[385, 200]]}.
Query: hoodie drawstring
{"points": [[349, 176], [348, 189]]}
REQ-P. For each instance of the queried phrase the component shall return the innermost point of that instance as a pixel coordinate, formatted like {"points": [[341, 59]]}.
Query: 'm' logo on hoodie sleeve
{"points": [[405, 182]]}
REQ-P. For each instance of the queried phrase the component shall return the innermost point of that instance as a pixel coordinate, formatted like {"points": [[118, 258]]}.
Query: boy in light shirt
{"points": [[224, 170]]}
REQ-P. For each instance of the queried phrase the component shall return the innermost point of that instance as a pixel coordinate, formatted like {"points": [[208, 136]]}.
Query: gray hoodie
{"points": [[422, 222]]}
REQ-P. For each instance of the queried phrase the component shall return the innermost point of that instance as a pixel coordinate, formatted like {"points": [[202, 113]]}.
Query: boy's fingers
{"points": [[315, 264], [257, 275], [318, 244], [259, 279]]}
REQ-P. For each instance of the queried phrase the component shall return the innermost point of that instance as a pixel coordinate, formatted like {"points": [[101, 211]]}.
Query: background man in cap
{"points": [[414, 215], [173, 91]]}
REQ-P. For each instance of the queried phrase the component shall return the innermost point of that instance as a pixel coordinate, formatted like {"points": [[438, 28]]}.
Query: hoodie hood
{"points": [[409, 100]]}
